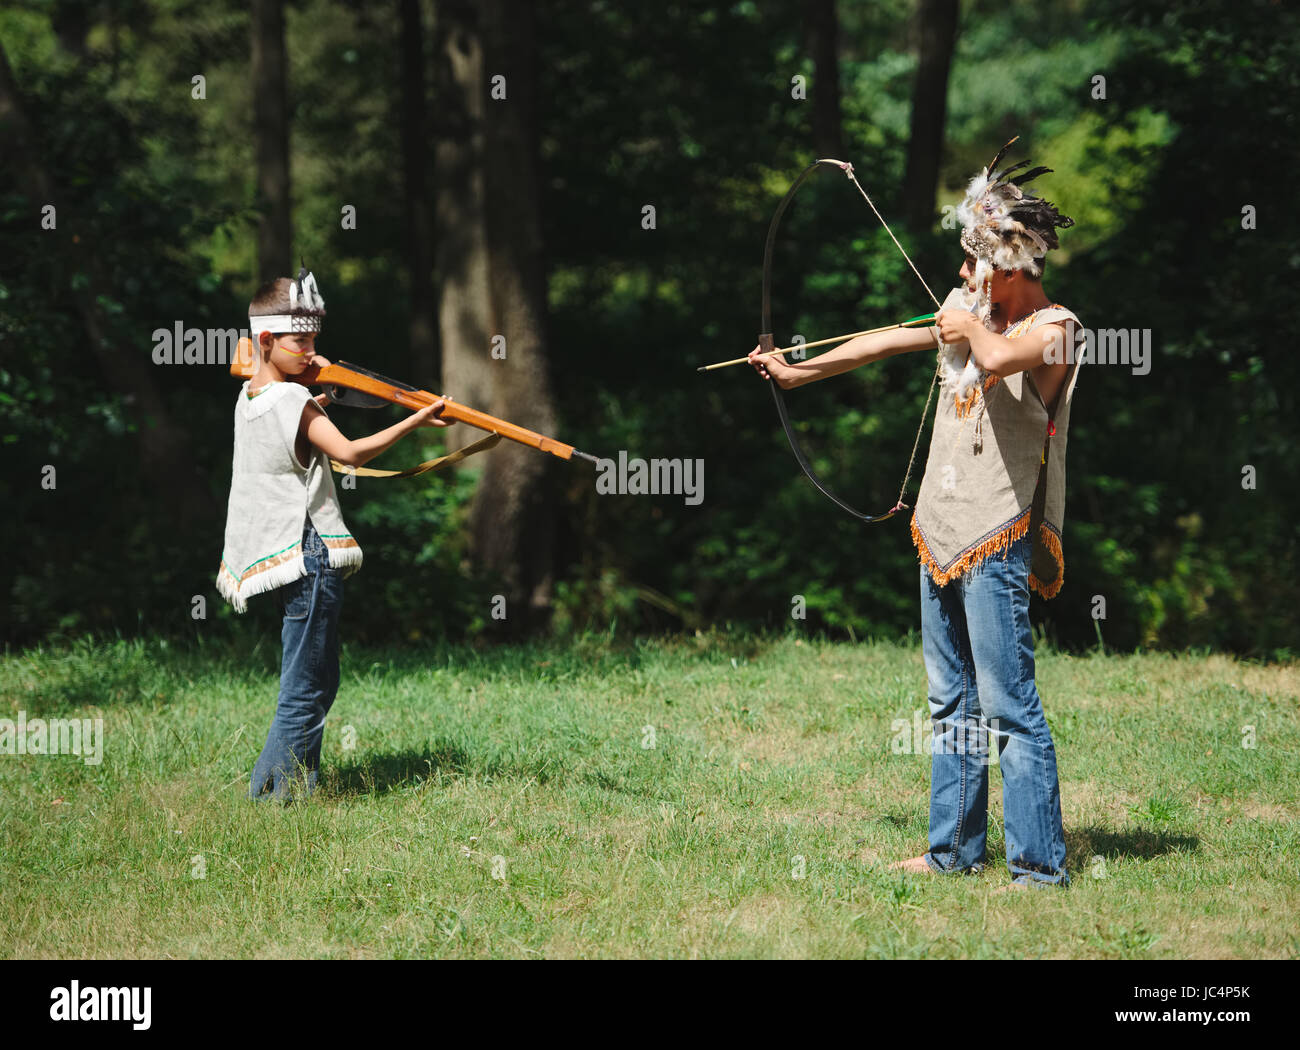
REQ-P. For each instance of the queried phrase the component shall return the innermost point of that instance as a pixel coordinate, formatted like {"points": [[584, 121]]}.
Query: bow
{"points": [[768, 344]]}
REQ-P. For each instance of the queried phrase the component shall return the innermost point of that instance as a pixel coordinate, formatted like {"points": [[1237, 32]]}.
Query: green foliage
{"points": [[723, 795], [688, 108]]}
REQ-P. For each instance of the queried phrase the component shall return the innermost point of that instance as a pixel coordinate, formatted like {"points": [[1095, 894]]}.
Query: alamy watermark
{"points": [[75, 1003], [653, 477], [179, 345], [918, 737], [1103, 346], [57, 736]]}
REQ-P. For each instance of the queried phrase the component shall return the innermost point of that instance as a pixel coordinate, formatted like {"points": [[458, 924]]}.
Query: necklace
{"points": [[1006, 328]]}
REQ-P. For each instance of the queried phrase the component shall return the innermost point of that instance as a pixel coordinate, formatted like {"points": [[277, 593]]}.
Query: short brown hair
{"points": [[271, 298]]}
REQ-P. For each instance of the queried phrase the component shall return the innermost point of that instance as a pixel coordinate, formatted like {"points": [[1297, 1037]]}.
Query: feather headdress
{"points": [[303, 310], [1004, 227]]}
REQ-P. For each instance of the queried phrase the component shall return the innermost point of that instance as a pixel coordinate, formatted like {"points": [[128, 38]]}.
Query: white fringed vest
{"points": [[271, 494]]}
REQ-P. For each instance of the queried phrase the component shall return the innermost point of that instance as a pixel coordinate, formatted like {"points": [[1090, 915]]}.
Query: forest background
{"points": [[1171, 130]]}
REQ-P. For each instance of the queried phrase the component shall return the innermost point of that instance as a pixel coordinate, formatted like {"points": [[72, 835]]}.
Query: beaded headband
{"points": [[306, 309]]}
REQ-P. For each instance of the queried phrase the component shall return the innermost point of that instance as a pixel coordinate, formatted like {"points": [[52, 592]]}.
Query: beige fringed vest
{"points": [[270, 495], [985, 459]]}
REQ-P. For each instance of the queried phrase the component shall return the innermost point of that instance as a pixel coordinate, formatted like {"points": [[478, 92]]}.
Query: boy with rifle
{"points": [[284, 527]]}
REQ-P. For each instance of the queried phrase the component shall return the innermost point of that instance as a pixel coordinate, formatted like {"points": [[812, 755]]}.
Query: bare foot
{"points": [[916, 865]]}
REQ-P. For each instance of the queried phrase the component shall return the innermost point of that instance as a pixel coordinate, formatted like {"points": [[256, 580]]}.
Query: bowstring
{"points": [[911, 462]]}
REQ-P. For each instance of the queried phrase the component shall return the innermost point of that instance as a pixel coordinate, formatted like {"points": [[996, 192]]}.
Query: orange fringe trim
{"points": [[999, 542], [1053, 544], [965, 406]]}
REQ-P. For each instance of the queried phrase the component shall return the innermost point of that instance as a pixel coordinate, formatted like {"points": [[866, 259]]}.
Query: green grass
{"points": [[758, 823]]}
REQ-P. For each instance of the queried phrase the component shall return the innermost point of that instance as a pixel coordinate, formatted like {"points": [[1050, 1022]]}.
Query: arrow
{"points": [[911, 322]]}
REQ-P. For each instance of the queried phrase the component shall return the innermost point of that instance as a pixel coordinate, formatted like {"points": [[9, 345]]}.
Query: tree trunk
{"points": [[460, 239], [822, 35], [419, 215], [513, 514], [71, 23], [938, 24], [271, 139], [164, 447]]}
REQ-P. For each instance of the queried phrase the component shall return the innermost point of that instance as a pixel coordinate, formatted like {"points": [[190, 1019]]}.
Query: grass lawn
{"points": [[707, 797]]}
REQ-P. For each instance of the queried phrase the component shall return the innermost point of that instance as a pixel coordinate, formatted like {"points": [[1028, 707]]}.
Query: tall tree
{"points": [[271, 138], [513, 517], [938, 29], [460, 239], [821, 31], [490, 244], [415, 185]]}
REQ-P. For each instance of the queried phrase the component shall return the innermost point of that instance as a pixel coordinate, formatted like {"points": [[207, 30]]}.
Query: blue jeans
{"points": [[979, 657], [309, 676]]}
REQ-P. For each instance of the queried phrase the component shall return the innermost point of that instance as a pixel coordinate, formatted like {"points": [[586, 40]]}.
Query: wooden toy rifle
{"points": [[356, 387]]}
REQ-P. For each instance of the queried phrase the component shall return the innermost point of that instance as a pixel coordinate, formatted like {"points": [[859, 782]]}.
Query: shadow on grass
{"points": [[1085, 843], [377, 774], [1082, 844]]}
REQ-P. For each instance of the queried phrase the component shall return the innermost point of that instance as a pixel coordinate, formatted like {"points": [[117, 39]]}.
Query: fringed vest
{"points": [[271, 494], [986, 464]]}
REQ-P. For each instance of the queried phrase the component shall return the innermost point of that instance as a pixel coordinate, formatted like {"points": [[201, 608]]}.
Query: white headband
{"points": [[306, 305], [277, 323]]}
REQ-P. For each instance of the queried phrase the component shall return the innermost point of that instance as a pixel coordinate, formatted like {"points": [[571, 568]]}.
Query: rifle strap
{"points": [[442, 462]]}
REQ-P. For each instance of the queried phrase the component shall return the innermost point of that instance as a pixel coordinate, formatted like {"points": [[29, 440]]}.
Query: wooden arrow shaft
{"points": [[911, 322]]}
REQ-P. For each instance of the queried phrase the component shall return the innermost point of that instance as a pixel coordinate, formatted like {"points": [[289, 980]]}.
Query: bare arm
{"points": [[1003, 357], [317, 428], [845, 357], [1040, 351]]}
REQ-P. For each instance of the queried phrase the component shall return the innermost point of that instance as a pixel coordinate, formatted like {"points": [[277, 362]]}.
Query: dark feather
{"points": [[1002, 175], [1030, 175], [1033, 211], [1042, 217], [993, 164]]}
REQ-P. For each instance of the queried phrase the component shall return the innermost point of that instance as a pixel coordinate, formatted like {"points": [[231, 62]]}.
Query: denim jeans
{"points": [[979, 657], [309, 676]]}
